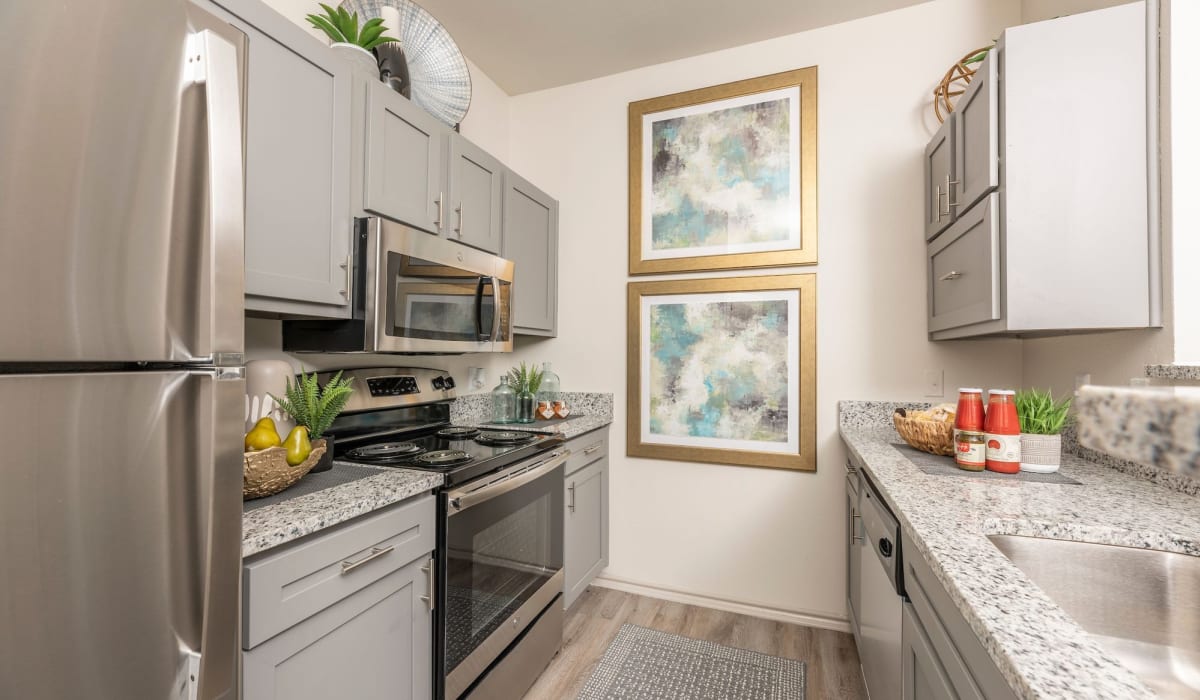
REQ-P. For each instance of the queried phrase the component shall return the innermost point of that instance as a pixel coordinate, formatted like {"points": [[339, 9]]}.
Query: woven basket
{"points": [[930, 436], [267, 472]]}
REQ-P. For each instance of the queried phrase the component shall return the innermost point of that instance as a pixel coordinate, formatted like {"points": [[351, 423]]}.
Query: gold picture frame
{"points": [[800, 245], [670, 369]]}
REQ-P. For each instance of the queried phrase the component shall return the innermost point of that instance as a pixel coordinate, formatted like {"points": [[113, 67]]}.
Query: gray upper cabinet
{"points": [[976, 137], [530, 239], [1047, 205], [476, 191], [297, 169], [404, 151], [585, 517], [939, 174]]}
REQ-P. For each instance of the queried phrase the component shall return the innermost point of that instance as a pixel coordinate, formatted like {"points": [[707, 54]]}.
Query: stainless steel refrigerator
{"points": [[121, 379]]}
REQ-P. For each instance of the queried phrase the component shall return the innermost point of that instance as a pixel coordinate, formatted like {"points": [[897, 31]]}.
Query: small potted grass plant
{"points": [[343, 30], [525, 380], [314, 407], [1042, 422]]}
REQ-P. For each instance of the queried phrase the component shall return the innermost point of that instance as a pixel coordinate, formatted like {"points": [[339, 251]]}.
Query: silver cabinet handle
{"points": [[950, 191], [429, 574], [459, 229], [854, 518], [850, 468], [437, 223], [571, 490], [349, 272], [950, 276], [937, 201], [376, 552], [593, 448]]}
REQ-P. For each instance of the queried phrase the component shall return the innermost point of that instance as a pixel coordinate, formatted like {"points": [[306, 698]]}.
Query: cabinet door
{"points": [[297, 120], [374, 645], [921, 672], [585, 538], [939, 174], [405, 178], [976, 139], [964, 269], [854, 540], [530, 239], [476, 194]]}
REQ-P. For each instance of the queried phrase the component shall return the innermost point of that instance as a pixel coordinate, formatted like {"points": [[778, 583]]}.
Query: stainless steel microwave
{"points": [[415, 293]]}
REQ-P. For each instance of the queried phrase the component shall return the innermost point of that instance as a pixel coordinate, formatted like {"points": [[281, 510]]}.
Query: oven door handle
{"points": [[468, 496]]}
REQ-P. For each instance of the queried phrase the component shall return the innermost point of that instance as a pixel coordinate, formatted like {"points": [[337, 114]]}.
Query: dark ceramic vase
{"points": [[326, 461]]}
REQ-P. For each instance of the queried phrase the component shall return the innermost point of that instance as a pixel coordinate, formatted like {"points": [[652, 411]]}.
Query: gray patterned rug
{"points": [[644, 664]]}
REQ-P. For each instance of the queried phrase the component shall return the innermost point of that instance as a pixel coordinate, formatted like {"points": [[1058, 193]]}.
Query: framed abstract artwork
{"points": [[725, 177], [724, 370]]}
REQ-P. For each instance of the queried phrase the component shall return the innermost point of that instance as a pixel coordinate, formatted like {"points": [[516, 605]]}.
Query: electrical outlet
{"points": [[477, 378], [933, 383]]}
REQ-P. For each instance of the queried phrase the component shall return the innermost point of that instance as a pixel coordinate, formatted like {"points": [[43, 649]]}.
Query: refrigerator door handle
{"points": [[214, 63]]}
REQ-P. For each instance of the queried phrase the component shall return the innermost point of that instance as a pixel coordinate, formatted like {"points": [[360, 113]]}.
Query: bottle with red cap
{"points": [[969, 442], [1003, 432]]}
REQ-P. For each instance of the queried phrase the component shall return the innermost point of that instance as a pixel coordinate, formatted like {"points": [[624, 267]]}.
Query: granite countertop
{"points": [[573, 426], [1158, 427], [294, 518], [590, 411], [1041, 651]]}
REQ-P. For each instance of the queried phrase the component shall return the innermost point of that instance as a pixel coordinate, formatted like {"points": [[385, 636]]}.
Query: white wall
{"points": [[773, 539]]}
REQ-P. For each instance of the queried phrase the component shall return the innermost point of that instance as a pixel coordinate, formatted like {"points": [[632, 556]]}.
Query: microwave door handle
{"points": [[495, 308], [479, 308]]}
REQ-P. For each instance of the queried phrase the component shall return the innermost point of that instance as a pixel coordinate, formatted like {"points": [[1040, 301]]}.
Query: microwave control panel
{"points": [[399, 385]]}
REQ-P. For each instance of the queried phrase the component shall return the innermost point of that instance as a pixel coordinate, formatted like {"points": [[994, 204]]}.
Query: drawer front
{"points": [[964, 269], [966, 663], [586, 449], [289, 586]]}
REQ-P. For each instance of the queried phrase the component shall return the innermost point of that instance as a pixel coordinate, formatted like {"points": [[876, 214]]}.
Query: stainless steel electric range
{"points": [[499, 559]]}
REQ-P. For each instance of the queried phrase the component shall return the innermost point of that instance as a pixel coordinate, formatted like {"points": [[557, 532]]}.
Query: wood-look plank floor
{"points": [[593, 622]]}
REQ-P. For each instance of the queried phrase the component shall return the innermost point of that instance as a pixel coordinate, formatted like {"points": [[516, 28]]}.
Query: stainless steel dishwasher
{"points": [[880, 606]]}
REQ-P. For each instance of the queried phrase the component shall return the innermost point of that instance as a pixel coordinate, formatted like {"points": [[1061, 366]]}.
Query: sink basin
{"points": [[1142, 605]]}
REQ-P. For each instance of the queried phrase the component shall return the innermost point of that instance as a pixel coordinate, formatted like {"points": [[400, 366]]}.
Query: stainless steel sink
{"points": [[1142, 605]]}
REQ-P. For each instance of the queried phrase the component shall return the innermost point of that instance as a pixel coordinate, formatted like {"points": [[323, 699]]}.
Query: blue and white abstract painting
{"points": [[719, 370], [722, 177]]}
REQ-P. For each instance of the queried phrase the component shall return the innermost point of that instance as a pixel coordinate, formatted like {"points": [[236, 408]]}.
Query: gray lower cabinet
{"points": [[344, 613], [476, 195], [922, 673], [530, 239], [854, 540], [585, 518], [297, 166], [404, 150]]}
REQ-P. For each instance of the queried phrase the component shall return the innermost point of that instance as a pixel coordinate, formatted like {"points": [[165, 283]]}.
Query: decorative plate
{"points": [[439, 80]]}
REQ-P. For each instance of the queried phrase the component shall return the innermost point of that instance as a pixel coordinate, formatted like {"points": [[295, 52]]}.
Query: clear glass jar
{"points": [[526, 403], [504, 403], [550, 389]]}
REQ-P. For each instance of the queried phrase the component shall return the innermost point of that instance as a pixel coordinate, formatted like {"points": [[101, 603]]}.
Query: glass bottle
{"points": [[526, 403], [551, 389], [504, 402]]}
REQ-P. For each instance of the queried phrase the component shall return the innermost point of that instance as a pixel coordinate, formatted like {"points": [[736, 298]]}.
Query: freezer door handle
{"points": [[214, 63]]}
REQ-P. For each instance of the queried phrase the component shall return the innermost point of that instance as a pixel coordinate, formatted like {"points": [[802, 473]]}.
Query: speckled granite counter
{"points": [[1041, 651], [1179, 372], [589, 411], [1156, 427], [292, 519]]}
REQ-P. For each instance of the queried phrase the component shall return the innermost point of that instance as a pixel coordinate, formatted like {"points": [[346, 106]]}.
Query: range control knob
{"points": [[439, 383], [449, 382]]}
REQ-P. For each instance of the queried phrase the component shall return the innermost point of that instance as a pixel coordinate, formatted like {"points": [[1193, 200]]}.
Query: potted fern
{"points": [[1042, 422], [525, 380], [314, 407], [357, 43]]}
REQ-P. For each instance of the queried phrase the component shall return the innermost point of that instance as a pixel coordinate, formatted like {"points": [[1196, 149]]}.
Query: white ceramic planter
{"points": [[1041, 454], [360, 57]]}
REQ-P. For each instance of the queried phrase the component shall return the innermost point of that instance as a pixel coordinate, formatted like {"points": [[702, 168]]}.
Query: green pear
{"points": [[297, 445], [262, 435]]}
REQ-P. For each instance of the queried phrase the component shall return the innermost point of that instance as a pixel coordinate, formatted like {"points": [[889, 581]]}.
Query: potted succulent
{"points": [[525, 380], [356, 42], [1042, 421], [314, 407]]}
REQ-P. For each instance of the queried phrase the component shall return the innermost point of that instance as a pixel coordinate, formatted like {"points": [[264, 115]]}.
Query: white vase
{"points": [[264, 379], [1041, 454], [361, 58]]}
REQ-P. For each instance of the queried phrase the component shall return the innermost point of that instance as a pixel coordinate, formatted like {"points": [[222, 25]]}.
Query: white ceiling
{"points": [[527, 45]]}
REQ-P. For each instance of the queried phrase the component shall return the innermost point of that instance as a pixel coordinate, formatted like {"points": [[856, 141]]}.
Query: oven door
{"points": [[433, 295], [504, 560]]}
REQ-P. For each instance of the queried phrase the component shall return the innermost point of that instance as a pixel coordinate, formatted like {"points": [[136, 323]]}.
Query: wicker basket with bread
{"points": [[930, 430]]}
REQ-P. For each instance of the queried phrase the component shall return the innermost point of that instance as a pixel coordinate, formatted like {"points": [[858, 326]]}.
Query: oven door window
{"points": [[500, 553], [437, 302]]}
